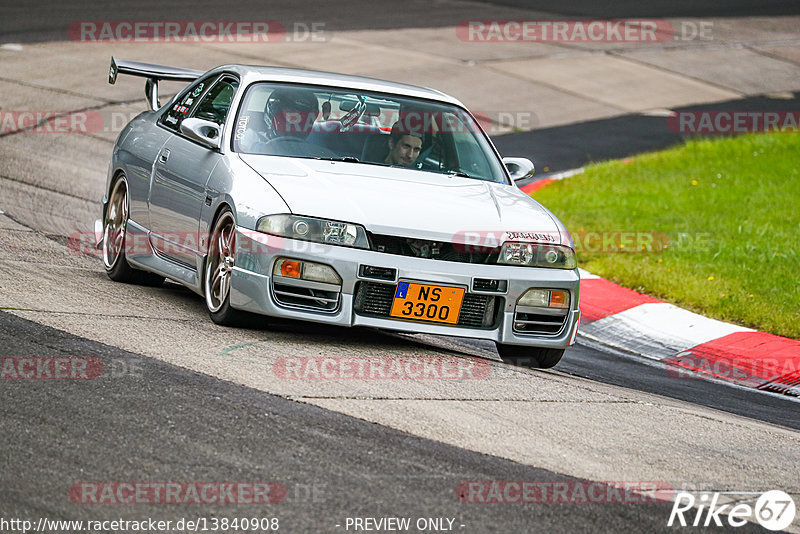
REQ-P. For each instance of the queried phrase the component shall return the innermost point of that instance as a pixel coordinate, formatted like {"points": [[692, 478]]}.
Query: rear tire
{"points": [[115, 223], [532, 357]]}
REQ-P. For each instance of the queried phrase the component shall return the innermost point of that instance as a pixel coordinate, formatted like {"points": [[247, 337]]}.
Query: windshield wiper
{"points": [[348, 159], [462, 174]]}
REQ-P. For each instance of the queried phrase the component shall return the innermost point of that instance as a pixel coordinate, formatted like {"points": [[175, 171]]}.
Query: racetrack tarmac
{"points": [[561, 148], [46, 20], [158, 422]]}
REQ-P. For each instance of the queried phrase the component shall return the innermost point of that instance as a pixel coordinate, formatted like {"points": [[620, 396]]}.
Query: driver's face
{"points": [[405, 151]]}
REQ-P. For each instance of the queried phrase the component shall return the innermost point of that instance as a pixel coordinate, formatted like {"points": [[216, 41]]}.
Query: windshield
{"points": [[363, 127]]}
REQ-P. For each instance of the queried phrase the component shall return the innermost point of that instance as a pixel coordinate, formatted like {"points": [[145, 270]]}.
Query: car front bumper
{"points": [[253, 288]]}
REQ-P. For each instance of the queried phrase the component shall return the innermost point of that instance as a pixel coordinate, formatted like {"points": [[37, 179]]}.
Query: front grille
{"points": [[489, 285], [437, 250], [378, 273], [374, 299], [477, 311], [539, 323], [304, 297]]}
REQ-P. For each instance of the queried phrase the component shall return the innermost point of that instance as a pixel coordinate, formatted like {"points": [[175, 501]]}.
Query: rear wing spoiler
{"points": [[153, 73]]}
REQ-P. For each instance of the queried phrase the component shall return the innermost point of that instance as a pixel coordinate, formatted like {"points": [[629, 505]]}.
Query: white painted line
{"points": [[14, 47], [565, 174], [658, 112], [658, 330]]}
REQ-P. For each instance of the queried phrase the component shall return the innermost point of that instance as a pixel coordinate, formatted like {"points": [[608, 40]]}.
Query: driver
{"points": [[289, 114], [404, 146]]}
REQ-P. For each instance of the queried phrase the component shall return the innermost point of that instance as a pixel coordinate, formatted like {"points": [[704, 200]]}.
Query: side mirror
{"points": [[518, 168], [202, 131]]}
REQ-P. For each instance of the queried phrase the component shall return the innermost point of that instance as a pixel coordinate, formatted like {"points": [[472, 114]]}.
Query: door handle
{"points": [[164, 156]]}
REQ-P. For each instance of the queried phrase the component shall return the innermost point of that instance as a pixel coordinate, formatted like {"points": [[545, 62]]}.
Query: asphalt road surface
{"points": [[660, 8], [157, 421], [640, 375], [47, 20], [561, 148]]}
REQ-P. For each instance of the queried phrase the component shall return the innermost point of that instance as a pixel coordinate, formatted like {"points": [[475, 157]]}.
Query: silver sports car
{"points": [[336, 199]]}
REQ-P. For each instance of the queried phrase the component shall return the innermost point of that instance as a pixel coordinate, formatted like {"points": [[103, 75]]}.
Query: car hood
{"points": [[407, 203]]}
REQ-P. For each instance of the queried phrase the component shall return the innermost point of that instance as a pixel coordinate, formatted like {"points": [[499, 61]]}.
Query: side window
{"points": [[180, 109], [216, 103]]}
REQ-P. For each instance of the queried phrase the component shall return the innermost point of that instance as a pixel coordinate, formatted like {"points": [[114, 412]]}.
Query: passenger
{"points": [[404, 146]]}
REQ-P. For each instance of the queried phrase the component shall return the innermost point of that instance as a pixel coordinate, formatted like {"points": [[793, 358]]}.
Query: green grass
{"points": [[731, 210]]}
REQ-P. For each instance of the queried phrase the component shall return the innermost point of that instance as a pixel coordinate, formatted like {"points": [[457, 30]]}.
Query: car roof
{"points": [[255, 73]]}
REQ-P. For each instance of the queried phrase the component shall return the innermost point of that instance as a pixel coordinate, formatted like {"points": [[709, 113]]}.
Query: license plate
{"points": [[425, 302]]}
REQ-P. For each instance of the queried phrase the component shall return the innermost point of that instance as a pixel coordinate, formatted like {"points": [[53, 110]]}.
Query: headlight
{"points": [[537, 255], [306, 270], [545, 298], [313, 229]]}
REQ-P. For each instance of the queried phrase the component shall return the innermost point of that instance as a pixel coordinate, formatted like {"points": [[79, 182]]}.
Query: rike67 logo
{"points": [[773, 510]]}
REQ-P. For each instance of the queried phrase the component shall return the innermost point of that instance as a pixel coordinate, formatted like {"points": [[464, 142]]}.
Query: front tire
{"points": [[115, 223], [532, 357], [218, 269]]}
